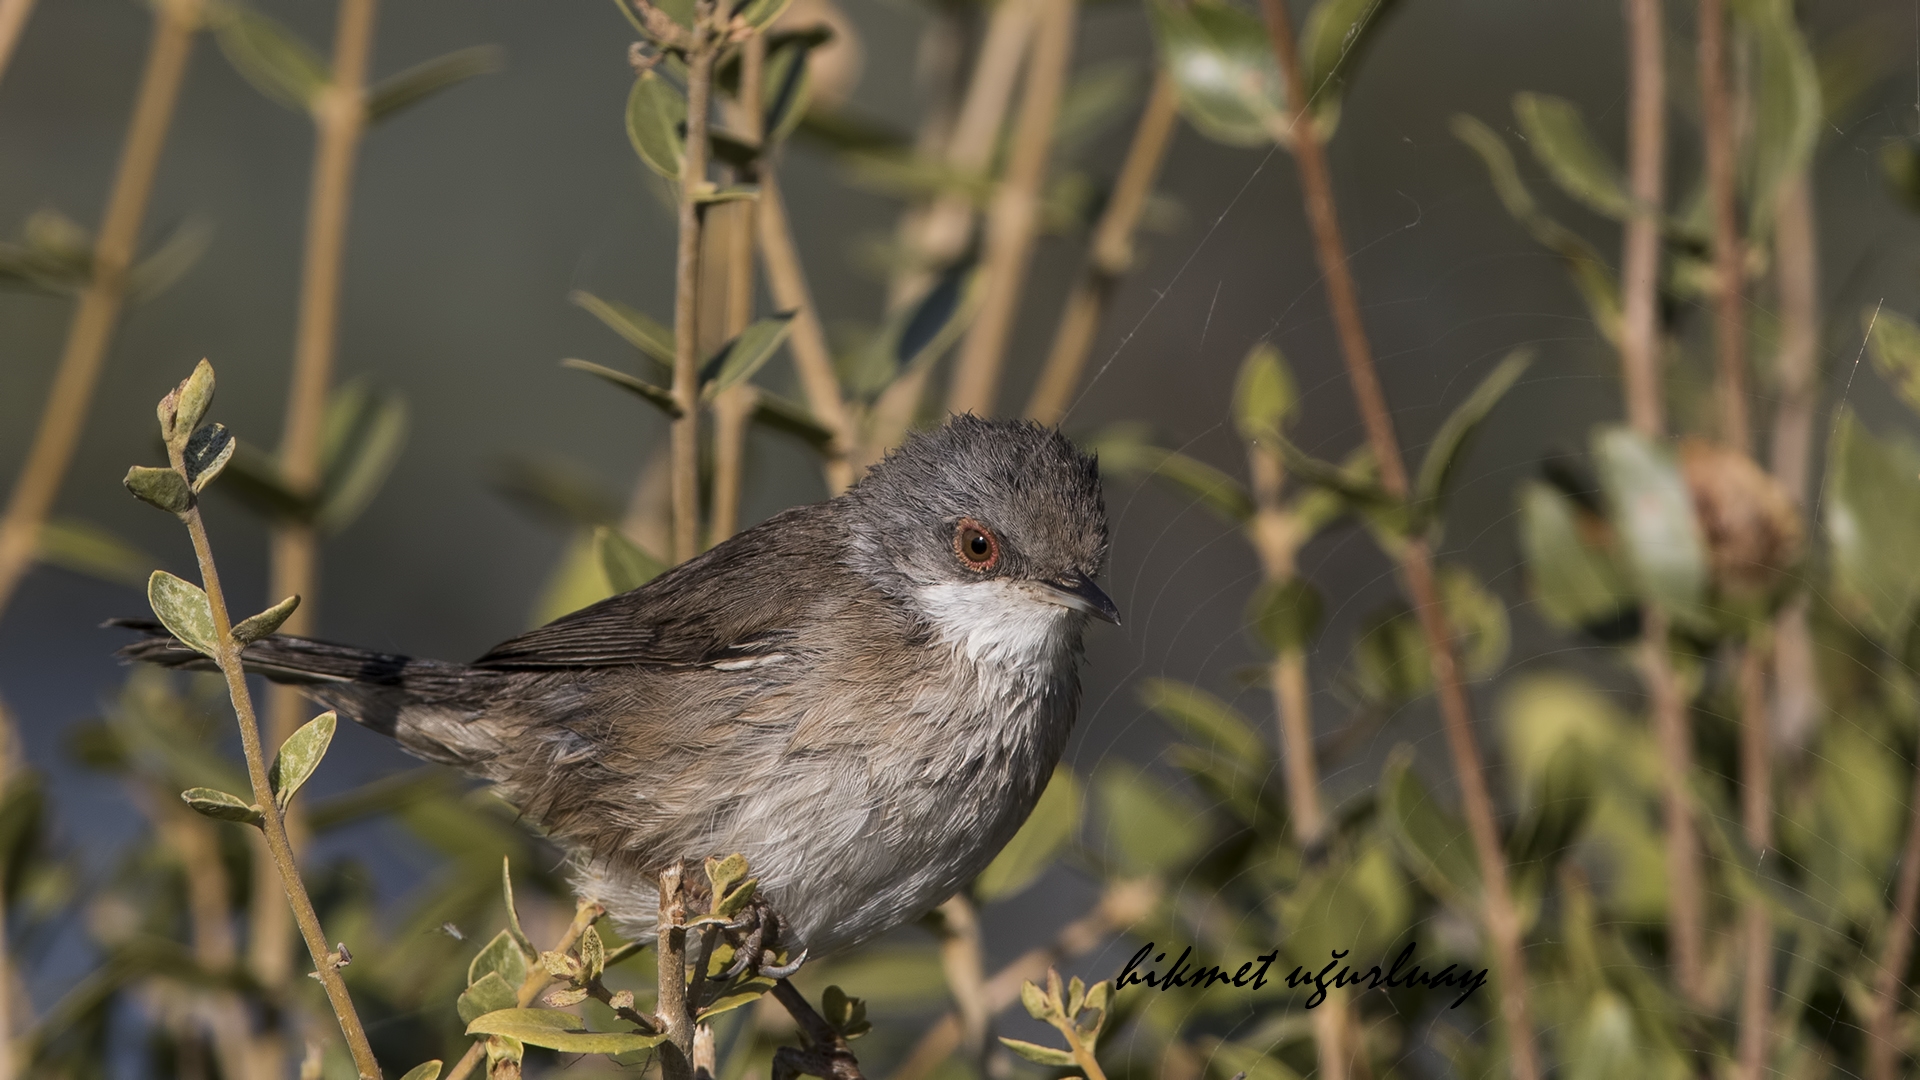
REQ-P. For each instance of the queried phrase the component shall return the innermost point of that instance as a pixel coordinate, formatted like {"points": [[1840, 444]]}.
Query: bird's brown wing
{"points": [[746, 597]]}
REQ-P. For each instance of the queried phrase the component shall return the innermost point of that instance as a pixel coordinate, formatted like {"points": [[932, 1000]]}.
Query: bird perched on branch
{"points": [[864, 696]]}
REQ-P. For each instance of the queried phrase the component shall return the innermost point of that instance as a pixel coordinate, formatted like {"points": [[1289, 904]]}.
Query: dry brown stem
{"points": [[339, 117], [686, 301], [1640, 261], [674, 1018], [1716, 119], [227, 657], [13, 21], [733, 407], [1109, 257], [1884, 1049], [964, 962], [812, 359], [1013, 220], [1416, 560], [1756, 815]]}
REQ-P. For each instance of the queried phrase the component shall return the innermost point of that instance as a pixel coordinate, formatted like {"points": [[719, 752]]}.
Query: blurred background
{"points": [[477, 213]]}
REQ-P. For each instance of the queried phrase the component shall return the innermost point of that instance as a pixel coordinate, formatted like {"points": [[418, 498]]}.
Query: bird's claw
{"points": [[755, 936]]}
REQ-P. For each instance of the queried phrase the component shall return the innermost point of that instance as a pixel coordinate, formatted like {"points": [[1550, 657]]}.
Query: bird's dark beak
{"points": [[1080, 594]]}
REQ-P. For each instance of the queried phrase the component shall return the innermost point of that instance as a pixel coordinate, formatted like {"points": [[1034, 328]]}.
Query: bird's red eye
{"points": [[974, 543]]}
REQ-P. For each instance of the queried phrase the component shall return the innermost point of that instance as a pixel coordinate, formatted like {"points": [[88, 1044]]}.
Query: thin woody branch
{"points": [[13, 20], [1502, 918], [685, 435]]}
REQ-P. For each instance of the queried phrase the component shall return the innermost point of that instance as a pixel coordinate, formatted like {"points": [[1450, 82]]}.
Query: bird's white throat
{"points": [[998, 623]]}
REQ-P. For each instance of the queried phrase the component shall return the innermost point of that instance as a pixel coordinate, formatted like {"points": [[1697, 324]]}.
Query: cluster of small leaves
{"points": [[1077, 1014]]}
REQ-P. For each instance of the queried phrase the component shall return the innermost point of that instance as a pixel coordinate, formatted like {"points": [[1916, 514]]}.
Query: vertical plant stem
{"points": [[98, 313], [1110, 256], [671, 947], [812, 359], [686, 307], [339, 116], [1641, 343], [1013, 221], [326, 963], [1716, 117], [964, 963], [1797, 269], [13, 21], [1896, 953], [734, 406], [192, 838], [1416, 560], [1756, 815], [1276, 539], [1640, 263]]}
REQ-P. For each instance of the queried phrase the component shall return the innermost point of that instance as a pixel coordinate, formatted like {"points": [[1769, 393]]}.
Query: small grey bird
{"points": [[864, 696]]}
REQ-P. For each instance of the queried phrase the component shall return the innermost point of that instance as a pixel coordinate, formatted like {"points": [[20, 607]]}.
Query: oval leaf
{"points": [[426, 1070], [503, 954], [642, 331], [218, 804], [182, 608], [1053, 823], [490, 992], [1264, 396], [270, 57], [1039, 1055], [163, 488], [299, 756], [207, 452], [656, 114], [416, 84], [560, 1031], [659, 397], [1456, 432], [253, 629], [1223, 69], [738, 359], [1434, 843], [1575, 582], [1653, 514], [1561, 142]]}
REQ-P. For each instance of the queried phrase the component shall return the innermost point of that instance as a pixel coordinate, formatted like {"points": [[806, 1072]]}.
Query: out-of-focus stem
{"points": [[1685, 909], [1796, 271], [339, 117], [191, 838], [946, 227], [1110, 256], [98, 313], [964, 963], [686, 307], [1756, 814], [812, 358], [13, 21], [227, 657], [1416, 560], [732, 408], [1896, 953], [1640, 262], [1013, 221], [1716, 121]]}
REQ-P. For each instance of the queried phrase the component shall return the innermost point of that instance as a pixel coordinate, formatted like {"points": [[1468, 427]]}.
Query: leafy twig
{"points": [[702, 48], [1416, 560], [1716, 122], [585, 913]]}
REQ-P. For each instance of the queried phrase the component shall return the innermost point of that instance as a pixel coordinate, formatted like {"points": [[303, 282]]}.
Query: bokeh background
{"points": [[477, 213]]}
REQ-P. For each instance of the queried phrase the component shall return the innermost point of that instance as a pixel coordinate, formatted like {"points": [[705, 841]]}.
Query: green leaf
{"points": [[1894, 342], [1591, 275], [656, 117], [418, 83], [1036, 1002], [183, 609], [513, 913], [1575, 582], [299, 756], [1652, 511], [207, 452], [489, 993], [787, 94], [225, 807], [168, 261], [1787, 111], [738, 359], [627, 567], [759, 14], [736, 995], [1051, 826], [1223, 70], [1149, 827], [1124, 450], [253, 629], [791, 418], [1264, 396], [659, 397], [1332, 41], [426, 1070], [1456, 432], [502, 955], [560, 1031], [1039, 1055], [593, 953], [1286, 614], [1872, 519], [163, 488], [641, 330], [88, 549], [363, 435], [270, 57], [1561, 142], [1203, 719], [1433, 842]]}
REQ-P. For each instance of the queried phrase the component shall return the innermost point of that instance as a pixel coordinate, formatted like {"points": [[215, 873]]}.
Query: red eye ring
{"points": [[975, 546]]}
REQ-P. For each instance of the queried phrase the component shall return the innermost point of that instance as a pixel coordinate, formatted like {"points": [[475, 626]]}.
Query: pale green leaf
{"points": [[162, 488], [1051, 826], [641, 330], [1039, 1055], [1560, 141], [364, 436], [276, 62], [1652, 512], [207, 452], [1264, 396], [503, 955], [746, 354], [1223, 70], [182, 608], [560, 1031], [422, 81], [627, 566], [1203, 719], [656, 115], [426, 1070], [1434, 843], [657, 396], [491, 992], [299, 756], [1574, 582], [218, 804], [1872, 519], [1150, 828], [254, 628], [1450, 443]]}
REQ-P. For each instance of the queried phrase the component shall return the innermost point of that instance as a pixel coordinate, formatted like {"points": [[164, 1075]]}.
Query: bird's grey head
{"points": [[991, 526]]}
